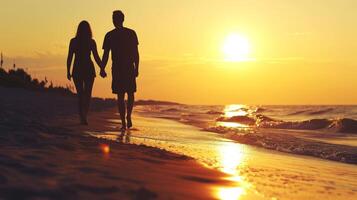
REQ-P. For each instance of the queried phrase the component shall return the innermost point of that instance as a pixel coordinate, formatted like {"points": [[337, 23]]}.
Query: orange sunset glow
{"points": [[189, 99], [292, 52]]}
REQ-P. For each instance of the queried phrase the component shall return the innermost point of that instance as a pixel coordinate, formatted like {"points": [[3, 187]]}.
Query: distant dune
{"points": [[19, 78]]}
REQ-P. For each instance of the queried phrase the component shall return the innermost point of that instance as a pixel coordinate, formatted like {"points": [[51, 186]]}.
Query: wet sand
{"points": [[257, 173]]}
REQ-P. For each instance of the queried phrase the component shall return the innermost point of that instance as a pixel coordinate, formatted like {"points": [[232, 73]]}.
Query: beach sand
{"points": [[45, 155]]}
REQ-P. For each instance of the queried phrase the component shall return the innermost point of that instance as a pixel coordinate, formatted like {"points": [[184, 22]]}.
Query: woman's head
{"points": [[84, 31]]}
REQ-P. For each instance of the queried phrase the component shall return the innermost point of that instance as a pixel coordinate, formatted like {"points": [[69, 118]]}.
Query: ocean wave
{"points": [[344, 125], [290, 144], [260, 110], [263, 119], [338, 125], [213, 112], [311, 112], [238, 119], [313, 124], [171, 110], [320, 112], [299, 112]]}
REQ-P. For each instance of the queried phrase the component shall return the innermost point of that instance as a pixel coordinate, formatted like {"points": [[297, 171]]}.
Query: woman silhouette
{"points": [[82, 46]]}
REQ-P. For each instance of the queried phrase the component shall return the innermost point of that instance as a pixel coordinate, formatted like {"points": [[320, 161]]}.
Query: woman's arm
{"points": [[96, 55], [69, 60]]}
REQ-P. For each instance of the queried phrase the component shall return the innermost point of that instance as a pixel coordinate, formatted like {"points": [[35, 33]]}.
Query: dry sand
{"points": [[45, 155]]}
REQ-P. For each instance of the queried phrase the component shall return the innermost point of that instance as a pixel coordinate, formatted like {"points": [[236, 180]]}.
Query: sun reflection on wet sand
{"points": [[105, 148], [232, 193], [231, 158], [208, 148]]}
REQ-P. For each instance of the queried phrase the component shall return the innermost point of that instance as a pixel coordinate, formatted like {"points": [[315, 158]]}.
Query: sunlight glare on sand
{"points": [[230, 193], [232, 157], [105, 148]]}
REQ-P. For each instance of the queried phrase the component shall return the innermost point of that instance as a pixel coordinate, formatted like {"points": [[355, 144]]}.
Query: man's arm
{"points": [[136, 60], [106, 49], [105, 58]]}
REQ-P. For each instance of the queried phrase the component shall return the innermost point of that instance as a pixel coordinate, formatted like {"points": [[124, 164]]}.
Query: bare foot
{"points": [[123, 128], [84, 122], [130, 123]]}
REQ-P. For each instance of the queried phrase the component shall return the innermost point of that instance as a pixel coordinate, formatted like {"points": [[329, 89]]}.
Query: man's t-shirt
{"points": [[123, 43]]}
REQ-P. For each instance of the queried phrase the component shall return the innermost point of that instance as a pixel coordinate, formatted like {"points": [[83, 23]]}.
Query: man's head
{"points": [[118, 18]]}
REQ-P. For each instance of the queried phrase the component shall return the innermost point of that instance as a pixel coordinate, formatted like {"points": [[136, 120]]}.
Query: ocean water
{"points": [[328, 132]]}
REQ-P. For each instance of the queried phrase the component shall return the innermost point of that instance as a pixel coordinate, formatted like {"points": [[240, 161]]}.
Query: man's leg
{"points": [[121, 108], [131, 99]]}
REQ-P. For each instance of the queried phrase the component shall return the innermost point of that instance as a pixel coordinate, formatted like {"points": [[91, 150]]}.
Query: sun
{"points": [[236, 48]]}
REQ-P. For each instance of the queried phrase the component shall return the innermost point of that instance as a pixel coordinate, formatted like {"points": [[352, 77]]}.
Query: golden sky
{"points": [[301, 52]]}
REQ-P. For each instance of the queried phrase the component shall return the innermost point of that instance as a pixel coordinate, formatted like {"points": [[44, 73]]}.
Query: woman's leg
{"points": [[79, 88], [88, 86]]}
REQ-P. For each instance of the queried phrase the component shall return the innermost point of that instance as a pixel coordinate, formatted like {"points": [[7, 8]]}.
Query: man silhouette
{"points": [[123, 44]]}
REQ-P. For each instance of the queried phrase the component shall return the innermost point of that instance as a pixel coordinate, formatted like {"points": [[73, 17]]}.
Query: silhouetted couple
{"points": [[123, 45]]}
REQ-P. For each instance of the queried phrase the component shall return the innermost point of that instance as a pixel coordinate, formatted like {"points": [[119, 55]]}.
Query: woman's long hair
{"points": [[84, 32]]}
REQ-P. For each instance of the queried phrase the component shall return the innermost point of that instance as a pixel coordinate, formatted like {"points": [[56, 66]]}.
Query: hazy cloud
{"points": [[39, 61]]}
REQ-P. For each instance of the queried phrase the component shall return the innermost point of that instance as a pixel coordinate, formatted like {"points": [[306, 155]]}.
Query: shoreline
{"points": [[258, 173], [293, 142]]}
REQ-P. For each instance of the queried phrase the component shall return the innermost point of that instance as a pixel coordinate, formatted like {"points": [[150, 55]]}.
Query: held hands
{"points": [[102, 73]]}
